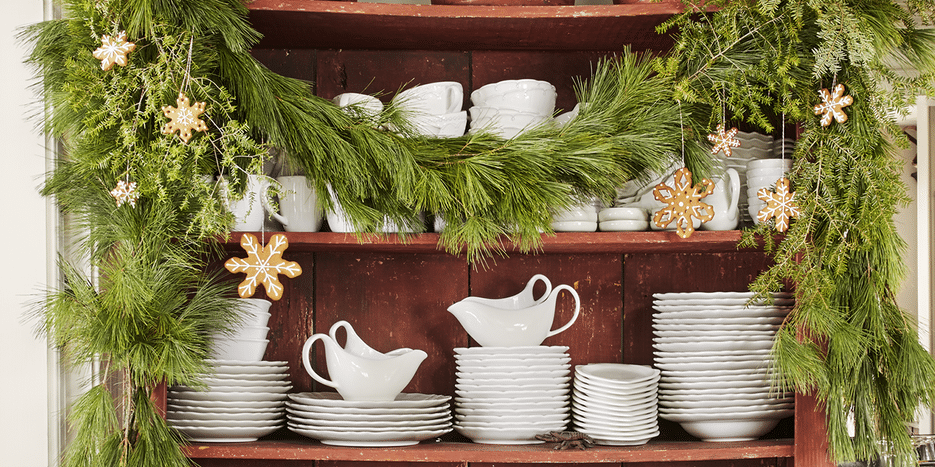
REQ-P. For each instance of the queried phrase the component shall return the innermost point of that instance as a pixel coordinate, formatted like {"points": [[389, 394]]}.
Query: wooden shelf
{"points": [[314, 24], [486, 453], [563, 242]]}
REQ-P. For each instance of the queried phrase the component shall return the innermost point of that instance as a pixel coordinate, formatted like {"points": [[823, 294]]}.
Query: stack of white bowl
{"points": [[243, 395], [577, 218], [615, 403], [406, 420], [763, 173], [713, 350], [508, 108], [241, 402], [623, 219], [508, 395], [783, 147], [434, 109]]}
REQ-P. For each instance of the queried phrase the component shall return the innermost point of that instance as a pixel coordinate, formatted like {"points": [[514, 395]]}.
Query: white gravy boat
{"points": [[358, 378], [353, 344], [524, 299], [491, 326]]}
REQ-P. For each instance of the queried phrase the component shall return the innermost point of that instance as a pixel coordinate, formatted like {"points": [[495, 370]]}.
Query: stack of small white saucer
{"points": [[615, 403], [508, 108], [580, 217], [713, 350], [623, 219], [508, 395], [404, 421], [242, 401]]}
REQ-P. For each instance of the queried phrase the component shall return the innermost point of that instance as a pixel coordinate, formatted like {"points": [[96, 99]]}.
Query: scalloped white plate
{"points": [[226, 434], [536, 350], [403, 400], [366, 439]]}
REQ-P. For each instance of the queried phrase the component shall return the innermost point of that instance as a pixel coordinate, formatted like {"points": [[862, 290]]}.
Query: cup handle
{"points": [[306, 350], [454, 99], [577, 308], [734, 189], [548, 287]]}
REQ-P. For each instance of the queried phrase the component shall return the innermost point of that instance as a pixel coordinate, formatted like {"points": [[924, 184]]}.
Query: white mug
{"points": [[440, 98], [249, 211], [298, 205], [365, 103]]}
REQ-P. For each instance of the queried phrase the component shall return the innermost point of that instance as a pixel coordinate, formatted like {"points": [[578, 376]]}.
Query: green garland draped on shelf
{"points": [[147, 309]]}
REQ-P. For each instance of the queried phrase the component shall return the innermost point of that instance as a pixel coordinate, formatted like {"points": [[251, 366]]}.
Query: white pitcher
{"points": [[724, 201]]}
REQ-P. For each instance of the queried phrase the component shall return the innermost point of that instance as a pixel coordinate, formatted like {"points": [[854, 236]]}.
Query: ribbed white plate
{"points": [[344, 413], [233, 405], [197, 416], [224, 396], [712, 295], [713, 346], [403, 400], [352, 425]]}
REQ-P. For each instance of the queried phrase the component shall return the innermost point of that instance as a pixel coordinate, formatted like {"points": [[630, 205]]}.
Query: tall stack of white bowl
{"points": [[508, 395], [713, 350], [510, 107], [615, 403], [243, 396], [763, 173]]}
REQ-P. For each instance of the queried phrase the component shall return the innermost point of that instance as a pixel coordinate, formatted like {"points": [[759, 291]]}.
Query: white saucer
{"points": [[511, 350]]}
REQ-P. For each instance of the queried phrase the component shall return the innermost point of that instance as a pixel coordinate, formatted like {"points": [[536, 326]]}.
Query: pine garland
{"points": [[151, 308], [846, 341]]}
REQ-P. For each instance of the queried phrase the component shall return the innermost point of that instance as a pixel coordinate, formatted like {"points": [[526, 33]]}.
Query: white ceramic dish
{"points": [[728, 405], [617, 373], [481, 368], [716, 328], [510, 394], [468, 401], [717, 353], [634, 407], [194, 415], [558, 359], [502, 435], [504, 412], [612, 430], [738, 374], [249, 367], [663, 357], [510, 387], [531, 406], [173, 406], [226, 434], [722, 345], [270, 389], [732, 385], [506, 420], [574, 226], [752, 310], [395, 416], [368, 411], [553, 357], [622, 441], [365, 439], [556, 381], [721, 314], [702, 334], [224, 348], [248, 376], [628, 420], [225, 423], [356, 425], [581, 213], [216, 396], [666, 319], [695, 366], [622, 395], [744, 302], [729, 430], [516, 375], [535, 350], [713, 295], [725, 415], [403, 400], [624, 225], [209, 404], [622, 214]]}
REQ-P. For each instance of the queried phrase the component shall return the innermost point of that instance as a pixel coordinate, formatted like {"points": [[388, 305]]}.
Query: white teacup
{"points": [[724, 201], [364, 103], [442, 97], [525, 95], [440, 126], [249, 211], [769, 164], [337, 218], [298, 205]]}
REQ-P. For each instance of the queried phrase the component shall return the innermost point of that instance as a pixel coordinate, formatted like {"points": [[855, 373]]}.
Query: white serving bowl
{"points": [[729, 430], [244, 350]]}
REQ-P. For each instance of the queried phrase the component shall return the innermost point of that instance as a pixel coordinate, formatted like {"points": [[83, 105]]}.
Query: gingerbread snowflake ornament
{"points": [[780, 205], [683, 203], [125, 193], [832, 105], [724, 140], [114, 50], [263, 265], [184, 118]]}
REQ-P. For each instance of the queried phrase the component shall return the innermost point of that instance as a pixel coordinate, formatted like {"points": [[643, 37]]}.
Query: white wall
{"points": [[24, 358]]}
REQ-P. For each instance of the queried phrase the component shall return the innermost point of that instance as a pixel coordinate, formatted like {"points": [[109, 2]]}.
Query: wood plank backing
{"points": [[395, 301]]}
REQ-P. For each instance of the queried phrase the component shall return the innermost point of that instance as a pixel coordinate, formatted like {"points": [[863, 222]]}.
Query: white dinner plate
{"points": [[403, 400], [512, 400], [510, 394], [223, 396], [549, 405], [554, 357], [507, 420], [627, 420], [504, 435], [725, 365], [171, 405], [703, 335], [365, 439], [718, 311], [617, 373], [669, 320], [211, 382], [726, 404], [745, 302], [194, 415], [583, 386], [555, 381], [488, 361], [368, 411], [711, 328], [441, 413], [208, 404], [511, 375], [534, 411], [552, 369], [510, 387], [716, 353], [722, 314], [278, 389], [226, 434], [713, 295], [248, 376], [732, 410], [664, 358], [713, 346], [538, 350], [226, 423], [352, 425]]}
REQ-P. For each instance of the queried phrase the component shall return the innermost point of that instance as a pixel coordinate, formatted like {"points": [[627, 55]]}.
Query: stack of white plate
{"points": [[242, 402], [408, 419], [713, 350], [508, 395], [615, 403]]}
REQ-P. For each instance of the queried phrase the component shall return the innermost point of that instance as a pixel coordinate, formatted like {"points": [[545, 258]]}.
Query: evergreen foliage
{"points": [[847, 341], [149, 307]]}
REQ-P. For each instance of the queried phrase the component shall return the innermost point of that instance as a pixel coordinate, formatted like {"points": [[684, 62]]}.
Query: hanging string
{"points": [[188, 66], [681, 131], [783, 141]]}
